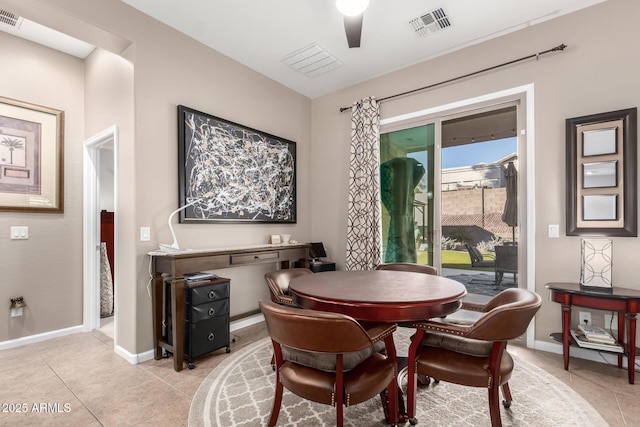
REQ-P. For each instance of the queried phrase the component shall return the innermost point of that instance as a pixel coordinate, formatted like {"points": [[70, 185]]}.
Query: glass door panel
{"points": [[407, 194]]}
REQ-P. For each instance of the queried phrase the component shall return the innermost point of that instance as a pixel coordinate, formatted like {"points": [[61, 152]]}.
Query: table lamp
{"points": [[174, 247]]}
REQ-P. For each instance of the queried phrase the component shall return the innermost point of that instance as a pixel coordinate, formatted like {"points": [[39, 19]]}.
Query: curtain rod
{"points": [[524, 58]]}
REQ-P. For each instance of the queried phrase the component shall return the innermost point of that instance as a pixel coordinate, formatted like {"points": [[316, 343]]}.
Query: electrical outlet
{"points": [[585, 317], [145, 234], [610, 323]]}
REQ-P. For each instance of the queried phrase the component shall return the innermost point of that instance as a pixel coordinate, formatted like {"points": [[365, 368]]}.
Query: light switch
{"points": [[145, 234], [19, 232], [554, 231]]}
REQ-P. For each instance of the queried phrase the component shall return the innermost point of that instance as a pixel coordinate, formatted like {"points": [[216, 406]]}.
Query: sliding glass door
{"points": [[444, 193]]}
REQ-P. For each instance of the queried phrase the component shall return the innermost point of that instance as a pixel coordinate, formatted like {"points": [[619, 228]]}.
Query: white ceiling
{"points": [[261, 33]]}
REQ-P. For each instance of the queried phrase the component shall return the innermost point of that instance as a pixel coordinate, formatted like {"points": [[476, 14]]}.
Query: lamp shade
{"points": [[352, 7]]}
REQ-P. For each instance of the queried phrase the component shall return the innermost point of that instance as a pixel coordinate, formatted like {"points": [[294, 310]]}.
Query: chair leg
{"points": [[412, 376], [277, 402], [494, 406], [339, 414], [506, 392]]}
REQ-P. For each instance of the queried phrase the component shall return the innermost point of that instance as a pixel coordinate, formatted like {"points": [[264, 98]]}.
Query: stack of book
{"points": [[596, 338]]}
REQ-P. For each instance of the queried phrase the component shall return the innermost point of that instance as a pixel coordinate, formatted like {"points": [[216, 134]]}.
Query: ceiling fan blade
{"points": [[353, 29]]}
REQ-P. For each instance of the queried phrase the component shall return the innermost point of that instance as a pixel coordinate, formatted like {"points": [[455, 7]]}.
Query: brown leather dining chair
{"points": [[333, 372], [473, 355], [407, 266], [278, 282]]}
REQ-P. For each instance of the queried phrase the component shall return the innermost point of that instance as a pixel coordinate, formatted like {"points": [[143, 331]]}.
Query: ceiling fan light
{"points": [[352, 7]]}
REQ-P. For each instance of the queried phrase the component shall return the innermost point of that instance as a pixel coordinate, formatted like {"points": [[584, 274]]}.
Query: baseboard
{"points": [[581, 353], [31, 339], [148, 355], [133, 358], [246, 321]]}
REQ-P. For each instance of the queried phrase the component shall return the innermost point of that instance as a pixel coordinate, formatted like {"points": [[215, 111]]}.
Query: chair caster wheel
{"points": [[228, 350], [506, 404], [191, 365], [423, 379], [413, 421]]}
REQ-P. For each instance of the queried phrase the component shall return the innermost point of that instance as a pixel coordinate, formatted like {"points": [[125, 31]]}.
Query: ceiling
{"points": [[261, 33]]}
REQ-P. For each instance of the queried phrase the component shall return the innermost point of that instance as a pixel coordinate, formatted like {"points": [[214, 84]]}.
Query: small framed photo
{"points": [[275, 239]]}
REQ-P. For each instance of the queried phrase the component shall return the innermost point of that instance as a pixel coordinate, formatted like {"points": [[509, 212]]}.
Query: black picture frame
{"points": [[228, 172], [621, 219]]}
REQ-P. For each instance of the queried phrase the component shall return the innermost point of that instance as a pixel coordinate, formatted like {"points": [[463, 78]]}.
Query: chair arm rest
{"points": [[473, 306], [379, 331], [443, 328]]}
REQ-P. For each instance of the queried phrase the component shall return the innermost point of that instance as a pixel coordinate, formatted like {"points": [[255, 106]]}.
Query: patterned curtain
{"points": [[364, 223]]}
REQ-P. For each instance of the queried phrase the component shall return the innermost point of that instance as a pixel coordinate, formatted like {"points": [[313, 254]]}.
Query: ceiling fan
{"points": [[353, 11]]}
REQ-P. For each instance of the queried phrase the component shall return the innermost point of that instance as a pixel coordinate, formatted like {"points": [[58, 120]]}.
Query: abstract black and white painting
{"points": [[229, 172]]}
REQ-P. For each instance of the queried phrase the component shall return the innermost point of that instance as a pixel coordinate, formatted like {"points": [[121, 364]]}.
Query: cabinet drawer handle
{"points": [[212, 294], [211, 336], [211, 311]]}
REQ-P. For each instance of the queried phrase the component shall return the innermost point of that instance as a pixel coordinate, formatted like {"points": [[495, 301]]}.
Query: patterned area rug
{"points": [[239, 392]]}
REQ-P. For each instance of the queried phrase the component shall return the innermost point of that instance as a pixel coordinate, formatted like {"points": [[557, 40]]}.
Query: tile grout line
{"points": [[168, 383], [615, 396], [71, 391]]}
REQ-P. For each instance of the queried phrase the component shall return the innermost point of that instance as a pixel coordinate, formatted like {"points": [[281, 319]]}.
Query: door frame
{"points": [[91, 227], [524, 97]]}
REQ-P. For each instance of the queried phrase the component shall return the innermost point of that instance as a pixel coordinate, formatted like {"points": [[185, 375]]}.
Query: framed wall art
{"points": [[230, 172], [601, 174], [31, 157]]}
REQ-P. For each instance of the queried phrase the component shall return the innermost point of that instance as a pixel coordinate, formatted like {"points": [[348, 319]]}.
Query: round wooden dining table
{"points": [[379, 295]]}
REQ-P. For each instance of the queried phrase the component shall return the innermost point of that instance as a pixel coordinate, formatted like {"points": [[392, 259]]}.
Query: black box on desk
{"points": [[319, 266]]}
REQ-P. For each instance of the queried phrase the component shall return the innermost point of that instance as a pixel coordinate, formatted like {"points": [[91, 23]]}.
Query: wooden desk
{"points": [[622, 300], [170, 267]]}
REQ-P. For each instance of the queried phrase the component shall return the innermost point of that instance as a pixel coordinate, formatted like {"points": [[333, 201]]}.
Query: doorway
{"points": [[443, 194], [100, 237]]}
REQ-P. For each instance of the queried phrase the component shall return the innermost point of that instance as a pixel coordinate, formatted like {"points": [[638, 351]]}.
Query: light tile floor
{"points": [[79, 381]]}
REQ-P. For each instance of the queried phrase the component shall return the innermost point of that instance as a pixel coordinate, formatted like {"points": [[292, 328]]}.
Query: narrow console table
{"points": [[169, 268], [622, 300]]}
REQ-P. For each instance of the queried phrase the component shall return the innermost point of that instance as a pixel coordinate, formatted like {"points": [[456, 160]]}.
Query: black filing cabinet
{"points": [[206, 317]]}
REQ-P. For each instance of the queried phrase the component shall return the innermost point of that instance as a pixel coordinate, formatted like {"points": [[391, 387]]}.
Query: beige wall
{"points": [[596, 73], [168, 69], [46, 269]]}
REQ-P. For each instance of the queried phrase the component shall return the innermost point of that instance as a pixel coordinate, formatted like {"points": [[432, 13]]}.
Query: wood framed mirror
{"points": [[601, 174]]}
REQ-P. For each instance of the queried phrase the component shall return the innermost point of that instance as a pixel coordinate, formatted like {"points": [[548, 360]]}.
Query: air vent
{"points": [[431, 22], [9, 18], [312, 61]]}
